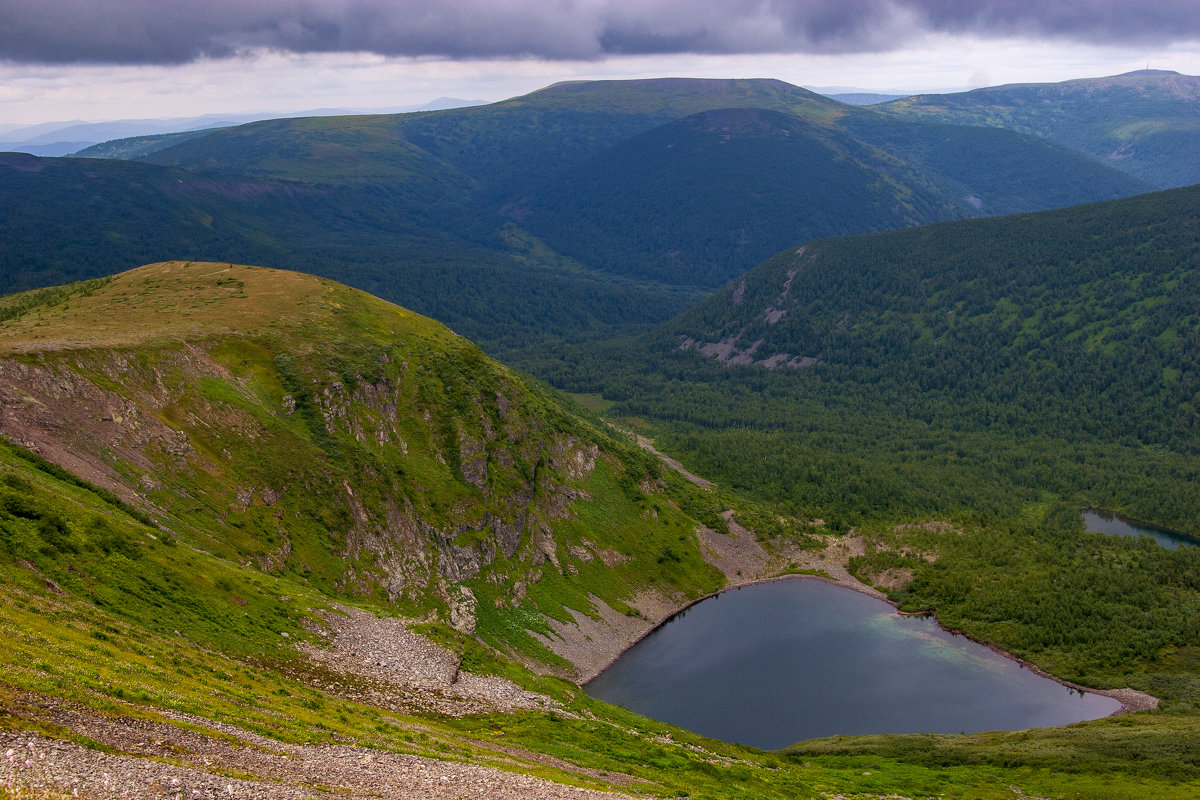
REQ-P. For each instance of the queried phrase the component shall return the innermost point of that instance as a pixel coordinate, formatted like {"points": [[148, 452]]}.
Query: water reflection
{"points": [[772, 664], [1101, 521]]}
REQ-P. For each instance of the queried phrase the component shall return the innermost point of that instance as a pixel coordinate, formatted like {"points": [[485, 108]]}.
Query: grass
{"points": [[593, 402]]}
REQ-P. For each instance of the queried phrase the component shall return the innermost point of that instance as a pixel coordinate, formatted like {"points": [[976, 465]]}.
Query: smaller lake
{"points": [[771, 664], [1100, 521]]}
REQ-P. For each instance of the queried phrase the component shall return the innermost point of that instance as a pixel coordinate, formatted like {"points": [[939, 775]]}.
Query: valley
{"points": [[265, 533], [513, 222]]}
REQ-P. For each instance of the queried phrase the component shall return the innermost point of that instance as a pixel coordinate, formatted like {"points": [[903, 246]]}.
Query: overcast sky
{"points": [[110, 59]]}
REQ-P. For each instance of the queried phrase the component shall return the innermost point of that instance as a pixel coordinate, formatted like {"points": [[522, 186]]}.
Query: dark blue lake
{"points": [[1101, 521], [772, 664]]}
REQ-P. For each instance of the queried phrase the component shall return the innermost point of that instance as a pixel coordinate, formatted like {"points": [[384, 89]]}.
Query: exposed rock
{"points": [[462, 610], [407, 671], [188, 756], [739, 294], [738, 554], [473, 460], [596, 639]]}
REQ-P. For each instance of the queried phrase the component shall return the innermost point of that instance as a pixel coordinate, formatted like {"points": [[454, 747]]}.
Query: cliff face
{"points": [[295, 425]]}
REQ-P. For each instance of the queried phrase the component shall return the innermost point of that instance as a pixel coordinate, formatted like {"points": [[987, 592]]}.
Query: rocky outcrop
{"points": [[174, 426], [731, 351]]}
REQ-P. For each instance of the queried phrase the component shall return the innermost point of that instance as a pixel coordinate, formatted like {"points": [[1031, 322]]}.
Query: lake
{"points": [[1101, 521], [771, 664]]}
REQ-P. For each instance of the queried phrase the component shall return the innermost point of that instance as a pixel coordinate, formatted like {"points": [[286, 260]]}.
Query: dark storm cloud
{"points": [[178, 31]]}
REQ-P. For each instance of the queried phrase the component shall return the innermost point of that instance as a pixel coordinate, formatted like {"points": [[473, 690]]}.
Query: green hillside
{"points": [[1146, 123], [260, 533], [135, 147], [1085, 320], [333, 436]]}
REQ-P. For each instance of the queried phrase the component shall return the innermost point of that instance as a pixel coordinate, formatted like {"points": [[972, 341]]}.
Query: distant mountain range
{"points": [[1146, 123], [69, 138], [579, 211]]}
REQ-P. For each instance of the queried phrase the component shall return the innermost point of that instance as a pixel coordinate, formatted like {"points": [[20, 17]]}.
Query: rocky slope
{"points": [[301, 427]]}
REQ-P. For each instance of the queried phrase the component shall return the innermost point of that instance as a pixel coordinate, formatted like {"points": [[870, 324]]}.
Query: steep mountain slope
{"points": [[1088, 314], [284, 421], [1146, 123]]}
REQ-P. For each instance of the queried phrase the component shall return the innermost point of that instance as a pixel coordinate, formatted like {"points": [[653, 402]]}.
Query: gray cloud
{"points": [[180, 31]]}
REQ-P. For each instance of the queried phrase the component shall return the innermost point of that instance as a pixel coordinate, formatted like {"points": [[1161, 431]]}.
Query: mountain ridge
{"points": [[1141, 122]]}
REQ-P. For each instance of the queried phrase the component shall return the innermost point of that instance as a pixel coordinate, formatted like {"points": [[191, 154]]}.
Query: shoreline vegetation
{"points": [[1131, 700]]}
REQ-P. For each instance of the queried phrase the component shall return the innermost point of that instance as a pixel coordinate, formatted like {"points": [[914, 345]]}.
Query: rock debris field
{"points": [[407, 671], [284, 771], [190, 757]]}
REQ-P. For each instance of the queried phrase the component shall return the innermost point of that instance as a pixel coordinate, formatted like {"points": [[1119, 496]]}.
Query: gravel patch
{"points": [[290, 773], [402, 670], [191, 757]]}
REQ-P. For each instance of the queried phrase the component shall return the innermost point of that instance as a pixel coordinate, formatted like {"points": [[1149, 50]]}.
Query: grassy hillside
{"points": [[330, 435], [214, 477], [1146, 123]]}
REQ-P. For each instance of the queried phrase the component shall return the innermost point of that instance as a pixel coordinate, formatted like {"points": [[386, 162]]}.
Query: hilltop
{"points": [[290, 422]]}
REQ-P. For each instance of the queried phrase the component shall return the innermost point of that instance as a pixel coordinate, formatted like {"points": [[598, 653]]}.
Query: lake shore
{"points": [[829, 570]]}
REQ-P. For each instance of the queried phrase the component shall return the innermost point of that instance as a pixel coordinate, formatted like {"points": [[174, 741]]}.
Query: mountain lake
{"points": [[771, 664], [1100, 521]]}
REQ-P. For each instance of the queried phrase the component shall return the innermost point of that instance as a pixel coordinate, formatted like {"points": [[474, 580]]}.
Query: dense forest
{"points": [[978, 364]]}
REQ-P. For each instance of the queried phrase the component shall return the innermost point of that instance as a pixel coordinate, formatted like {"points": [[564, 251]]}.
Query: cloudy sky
{"points": [[110, 59]]}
